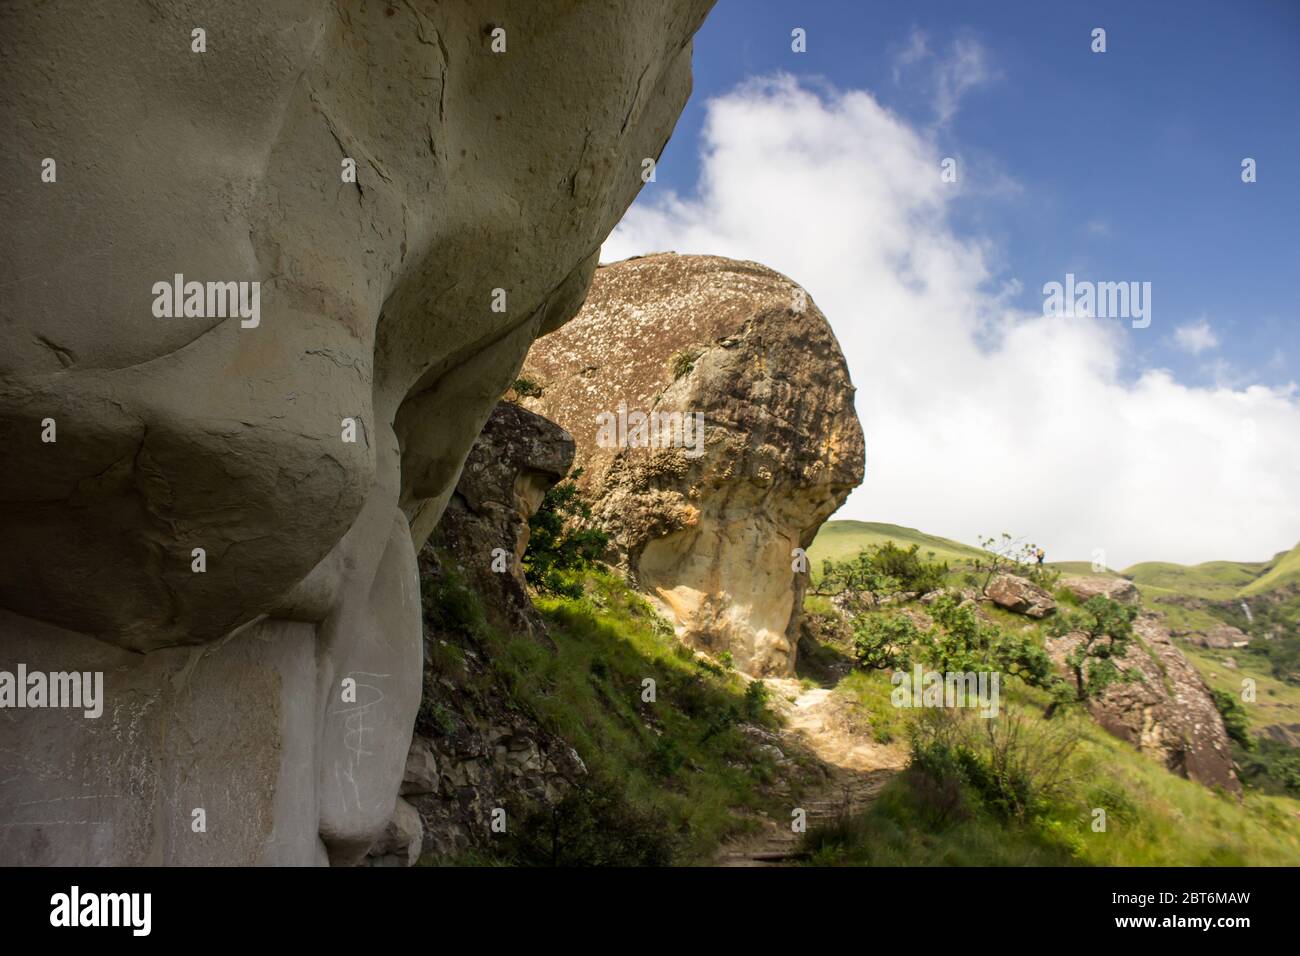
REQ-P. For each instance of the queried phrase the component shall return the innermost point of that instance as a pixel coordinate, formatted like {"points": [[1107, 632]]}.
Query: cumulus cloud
{"points": [[1196, 338], [979, 418]]}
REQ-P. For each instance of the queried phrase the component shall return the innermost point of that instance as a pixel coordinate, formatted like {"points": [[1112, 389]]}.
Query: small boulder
{"points": [[1117, 589], [421, 769], [1221, 636], [1021, 596], [402, 840]]}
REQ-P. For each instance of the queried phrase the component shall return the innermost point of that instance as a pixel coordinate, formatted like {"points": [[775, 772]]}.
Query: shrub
{"points": [[593, 825], [1234, 718], [526, 388], [884, 642], [562, 540], [755, 700], [682, 362], [959, 641], [1012, 766], [879, 571], [1007, 555]]}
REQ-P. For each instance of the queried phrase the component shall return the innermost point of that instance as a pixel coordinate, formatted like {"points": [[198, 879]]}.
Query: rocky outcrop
{"points": [[1168, 713], [1116, 589], [263, 288], [518, 456], [714, 420], [474, 751], [1221, 636], [1020, 596]]}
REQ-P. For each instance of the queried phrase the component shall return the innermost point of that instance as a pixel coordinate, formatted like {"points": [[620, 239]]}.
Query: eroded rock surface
{"points": [[474, 751], [751, 440], [402, 302], [1117, 589]]}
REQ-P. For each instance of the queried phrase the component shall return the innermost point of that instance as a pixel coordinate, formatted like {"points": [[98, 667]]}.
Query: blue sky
{"points": [[1128, 162], [982, 414]]}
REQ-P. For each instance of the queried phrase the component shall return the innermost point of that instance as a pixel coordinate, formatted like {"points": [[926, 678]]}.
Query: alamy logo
{"points": [[952, 689], [624, 429], [64, 689], [208, 300], [1102, 300], [102, 909]]}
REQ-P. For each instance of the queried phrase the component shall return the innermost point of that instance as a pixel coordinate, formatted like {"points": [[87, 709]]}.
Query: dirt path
{"points": [[849, 769]]}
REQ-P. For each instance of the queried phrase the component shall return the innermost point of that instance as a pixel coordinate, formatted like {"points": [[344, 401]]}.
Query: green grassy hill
{"points": [[838, 540], [1283, 572], [1211, 581]]}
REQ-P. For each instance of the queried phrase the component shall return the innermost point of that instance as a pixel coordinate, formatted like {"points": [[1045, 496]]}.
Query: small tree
{"points": [[1008, 555], [1105, 629], [562, 538]]}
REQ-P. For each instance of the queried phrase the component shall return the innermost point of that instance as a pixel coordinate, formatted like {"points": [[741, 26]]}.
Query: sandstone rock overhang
{"points": [[715, 426], [302, 456]]}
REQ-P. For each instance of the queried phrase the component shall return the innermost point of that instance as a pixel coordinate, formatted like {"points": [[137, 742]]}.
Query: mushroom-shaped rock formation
{"points": [[714, 421]]}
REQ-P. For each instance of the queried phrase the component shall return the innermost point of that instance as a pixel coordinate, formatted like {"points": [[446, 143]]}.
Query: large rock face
{"points": [[746, 440], [1169, 713], [473, 750], [307, 445], [518, 456]]}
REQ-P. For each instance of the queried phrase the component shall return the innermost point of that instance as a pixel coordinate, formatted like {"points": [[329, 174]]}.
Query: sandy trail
{"points": [[854, 768]]}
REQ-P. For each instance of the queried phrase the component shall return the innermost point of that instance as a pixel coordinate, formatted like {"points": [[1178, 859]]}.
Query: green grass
{"points": [[1276, 702], [1285, 572], [838, 540], [683, 758], [1211, 581]]}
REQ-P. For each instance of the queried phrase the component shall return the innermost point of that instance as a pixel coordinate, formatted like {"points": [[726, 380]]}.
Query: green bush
{"points": [[880, 571], [1271, 766], [683, 361], [526, 388], [562, 540], [958, 641], [1235, 721]]}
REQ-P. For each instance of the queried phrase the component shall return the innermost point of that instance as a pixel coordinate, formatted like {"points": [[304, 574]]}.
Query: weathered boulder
{"points": [[1019, 595], [218, 501], [1116, 589], [1169, 713], [714, 419], [1220, 636], [400, 843], [421, 774]]}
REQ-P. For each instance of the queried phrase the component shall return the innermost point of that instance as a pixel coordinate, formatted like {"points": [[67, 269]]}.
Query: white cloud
{"points": [[978, 418], [1196, 338], [950, 79]]}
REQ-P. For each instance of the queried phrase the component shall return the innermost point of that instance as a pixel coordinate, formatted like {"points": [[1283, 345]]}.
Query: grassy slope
{"points": [[1153, 816], [683, 760], [1211, 581], [838, 540], [1285, 572]]}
